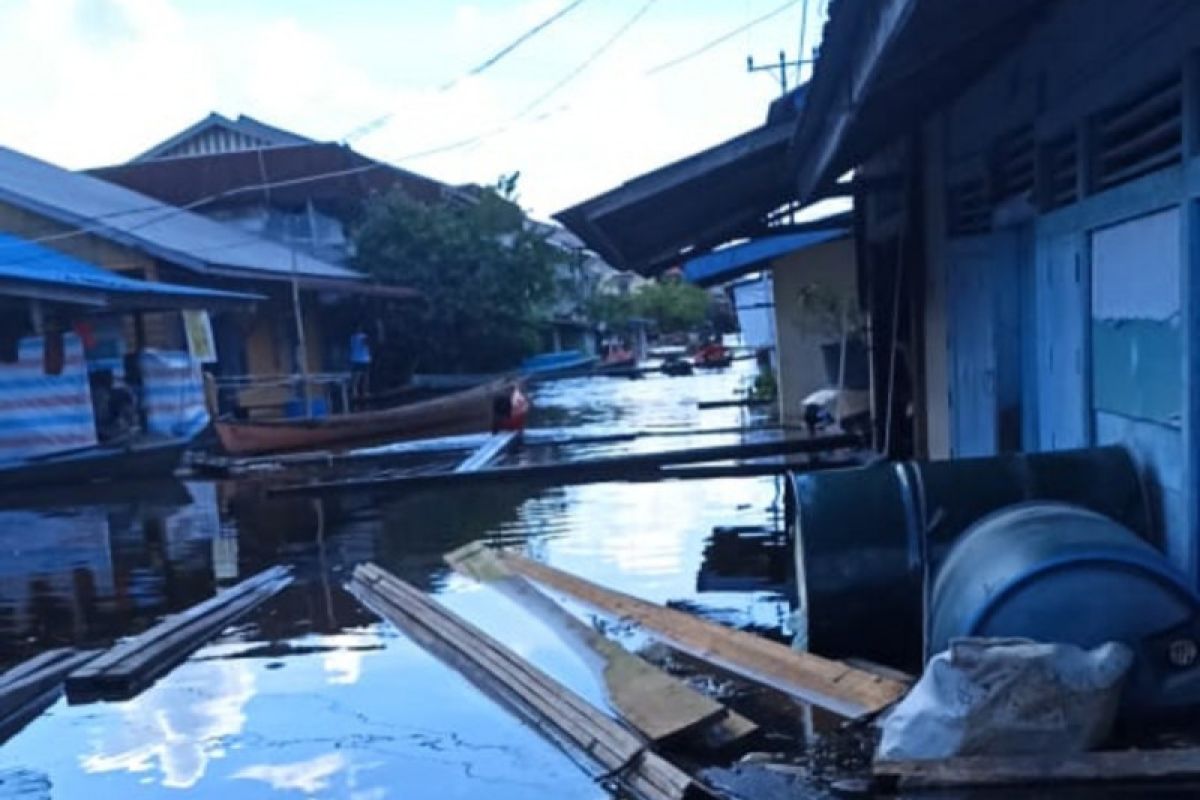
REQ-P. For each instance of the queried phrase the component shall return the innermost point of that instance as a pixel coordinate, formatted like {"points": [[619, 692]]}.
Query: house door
{"points": [[982, 299], [1061, 298]]}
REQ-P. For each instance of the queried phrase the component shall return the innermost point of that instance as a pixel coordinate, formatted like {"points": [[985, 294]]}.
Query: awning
{"points": [[729, 263], [653, 221], [29, 270], [885, 65]]}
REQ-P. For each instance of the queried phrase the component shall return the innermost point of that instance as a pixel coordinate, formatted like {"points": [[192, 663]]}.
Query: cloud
{"points": [[110, 78]]}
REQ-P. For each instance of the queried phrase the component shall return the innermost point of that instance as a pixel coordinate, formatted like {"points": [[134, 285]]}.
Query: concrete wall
{"points": [[1107, 311], [801, 365]]}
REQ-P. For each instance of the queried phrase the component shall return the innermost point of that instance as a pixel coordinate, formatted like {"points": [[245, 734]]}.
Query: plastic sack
{"points": [[1008, 697]]}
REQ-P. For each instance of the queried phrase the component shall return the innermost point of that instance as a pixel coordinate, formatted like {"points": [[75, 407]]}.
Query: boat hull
{"points": [[141, 460], [468, 411]]}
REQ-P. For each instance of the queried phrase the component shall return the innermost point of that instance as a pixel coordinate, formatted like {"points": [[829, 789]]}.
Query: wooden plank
{"points": [[555, 710], [743, 402], [1116, 765], [825, 683], [489, 451], [33, 685], [655, 704], [624, 467], [129, 666]]}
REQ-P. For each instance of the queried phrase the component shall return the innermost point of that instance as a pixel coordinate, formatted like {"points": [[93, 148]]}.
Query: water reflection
{"points": [[312, 694]]}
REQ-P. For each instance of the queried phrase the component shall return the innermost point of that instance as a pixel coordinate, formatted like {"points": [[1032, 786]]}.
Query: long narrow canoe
{"points": [[494, 406]]}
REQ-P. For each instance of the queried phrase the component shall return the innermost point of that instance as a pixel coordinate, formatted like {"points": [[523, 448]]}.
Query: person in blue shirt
{"points": [[360, 363]]}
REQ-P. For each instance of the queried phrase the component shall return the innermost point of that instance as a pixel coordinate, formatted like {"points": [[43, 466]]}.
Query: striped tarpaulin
{"points": [[173, 393], [42, 413]]}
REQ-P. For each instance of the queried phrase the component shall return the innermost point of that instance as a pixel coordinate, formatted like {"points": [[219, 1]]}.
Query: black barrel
{"points": [[867, 538], [1054, 572]]}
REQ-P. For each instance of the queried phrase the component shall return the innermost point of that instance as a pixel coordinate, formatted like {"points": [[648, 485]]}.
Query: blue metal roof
{"points": [[729, 263], [28, 269]]}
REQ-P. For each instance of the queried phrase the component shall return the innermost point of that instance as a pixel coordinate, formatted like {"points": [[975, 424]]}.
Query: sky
{"points": [[95, 82]]}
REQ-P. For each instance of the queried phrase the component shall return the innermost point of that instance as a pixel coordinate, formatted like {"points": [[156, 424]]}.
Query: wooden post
{"points": [[301, 342]]}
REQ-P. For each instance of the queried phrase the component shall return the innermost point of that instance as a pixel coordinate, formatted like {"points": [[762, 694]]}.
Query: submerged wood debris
{"points": [[622, 757], [652, 702], [129, 666]]}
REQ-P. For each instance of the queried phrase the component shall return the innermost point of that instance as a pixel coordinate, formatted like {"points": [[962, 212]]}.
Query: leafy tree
{"points": [[482, 276], [672, 305]]}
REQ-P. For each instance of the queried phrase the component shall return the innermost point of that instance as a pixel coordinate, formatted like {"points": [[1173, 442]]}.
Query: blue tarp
{"points": [[29, 269], [727, 264]]}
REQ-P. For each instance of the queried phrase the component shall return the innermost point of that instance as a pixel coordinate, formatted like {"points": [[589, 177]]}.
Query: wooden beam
{"points": [[32, 685], [623, 467], [822, 682], [655, 704], [129, 666], [1117, 765], [553, 709], [489, 451], [742, 402]]}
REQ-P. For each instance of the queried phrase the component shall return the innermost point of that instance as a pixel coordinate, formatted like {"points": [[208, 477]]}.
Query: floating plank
{"points": [[33, 685], [624, 467], [129, 666], [822, 682], [1116, 765], [553, 709], [402, 452], [655, 704], [489, 451], [742, 402]]}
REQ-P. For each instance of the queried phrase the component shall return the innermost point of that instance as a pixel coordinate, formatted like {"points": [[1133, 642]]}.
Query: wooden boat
{"points": [[562, 364], [141, 458], [497, 405]]}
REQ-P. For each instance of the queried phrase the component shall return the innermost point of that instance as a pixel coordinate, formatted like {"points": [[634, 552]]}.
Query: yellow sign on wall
{"points": [[200, 336]]}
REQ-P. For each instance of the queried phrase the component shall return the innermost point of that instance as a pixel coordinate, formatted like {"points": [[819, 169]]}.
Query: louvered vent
{"points": [[967, 208], [1013, 164], [1059, 176], [1140, 136]]}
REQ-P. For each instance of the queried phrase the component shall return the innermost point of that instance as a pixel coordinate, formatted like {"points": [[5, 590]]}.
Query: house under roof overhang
{"points": [[884, 66], [730, 263], [725, 192]]}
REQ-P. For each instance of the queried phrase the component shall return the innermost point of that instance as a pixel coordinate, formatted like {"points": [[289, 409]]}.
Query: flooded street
{"points": [[312, 695]]}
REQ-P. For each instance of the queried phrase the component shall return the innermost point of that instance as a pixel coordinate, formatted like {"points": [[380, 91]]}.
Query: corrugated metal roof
{"points": [[28, 269], [722, 266], [140, 222]]}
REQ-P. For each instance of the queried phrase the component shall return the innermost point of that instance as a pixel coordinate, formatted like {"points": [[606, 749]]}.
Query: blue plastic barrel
{"points": [[1055, 572]]}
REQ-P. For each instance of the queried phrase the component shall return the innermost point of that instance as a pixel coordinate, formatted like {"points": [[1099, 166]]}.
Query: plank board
{"points": [[489, 451], [129, 666], [33, 685], [631, 466], [1117, 765], [553, 709], [825, 683], [655, 704]]}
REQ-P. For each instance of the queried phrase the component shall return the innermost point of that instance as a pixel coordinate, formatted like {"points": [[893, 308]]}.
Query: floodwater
{"points": [[313, 696]]}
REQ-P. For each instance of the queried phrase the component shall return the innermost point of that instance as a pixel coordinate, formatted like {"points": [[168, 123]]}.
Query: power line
{"points": [[587, 62], [721, 39], [479, 69]]}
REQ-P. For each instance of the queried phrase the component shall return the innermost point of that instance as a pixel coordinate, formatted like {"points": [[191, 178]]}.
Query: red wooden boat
{"points": [[497, 405]]}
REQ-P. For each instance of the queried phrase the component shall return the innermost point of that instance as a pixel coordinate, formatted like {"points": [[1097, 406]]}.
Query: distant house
{"points": [[133, 234], [274, 183]]}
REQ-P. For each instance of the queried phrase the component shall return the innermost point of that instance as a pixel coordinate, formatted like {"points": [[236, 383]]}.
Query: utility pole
{"points": [[782, 67]]}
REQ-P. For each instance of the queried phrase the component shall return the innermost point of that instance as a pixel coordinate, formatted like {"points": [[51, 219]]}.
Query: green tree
{"points": [[481, 274], [673, 305]]}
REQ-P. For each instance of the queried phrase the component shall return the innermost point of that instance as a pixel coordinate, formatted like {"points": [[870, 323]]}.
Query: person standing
{"points": [[360, 363]]}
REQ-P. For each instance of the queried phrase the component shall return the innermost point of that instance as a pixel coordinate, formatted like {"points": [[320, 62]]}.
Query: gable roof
{"points": [[217, 133], [28, 269], [165, 232], [332, 176]]}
